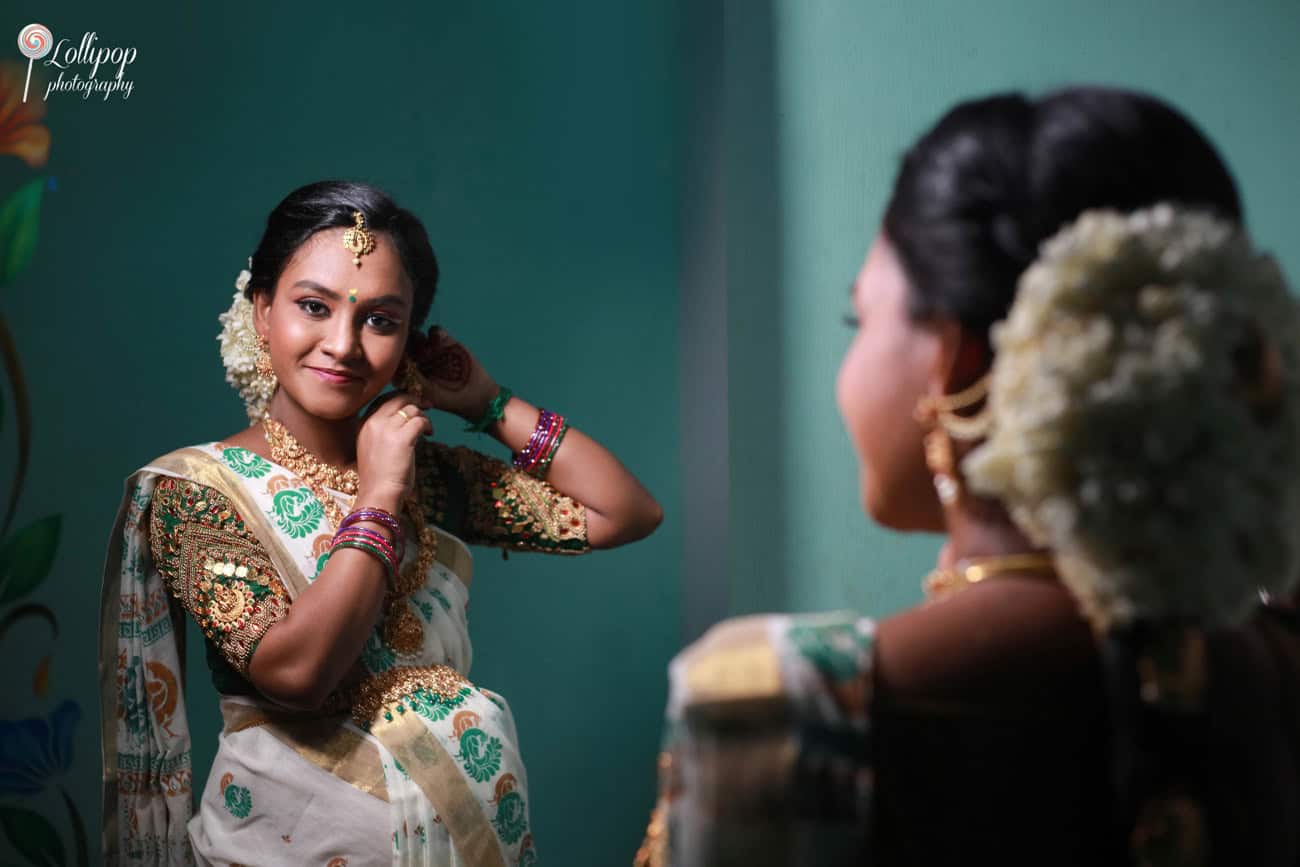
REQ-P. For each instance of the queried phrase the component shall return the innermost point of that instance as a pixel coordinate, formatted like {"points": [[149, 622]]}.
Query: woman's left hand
{"points": [[452, 378]]}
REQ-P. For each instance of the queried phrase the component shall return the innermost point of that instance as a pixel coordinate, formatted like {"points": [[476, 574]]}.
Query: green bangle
{"points": [[495, 412], [361, 545]]}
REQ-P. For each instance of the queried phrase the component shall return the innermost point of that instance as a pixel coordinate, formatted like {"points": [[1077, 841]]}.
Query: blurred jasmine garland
{"points": [[1145, 404]]}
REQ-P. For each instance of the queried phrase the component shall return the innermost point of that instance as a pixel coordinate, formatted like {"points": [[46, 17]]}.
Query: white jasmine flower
{"points": [[1133, 432], [238, 340]]}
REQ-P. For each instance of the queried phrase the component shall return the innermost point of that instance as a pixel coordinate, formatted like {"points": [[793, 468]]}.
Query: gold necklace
{"points": [[402, 629], [974, 570], [294, 456], [291, 454]]}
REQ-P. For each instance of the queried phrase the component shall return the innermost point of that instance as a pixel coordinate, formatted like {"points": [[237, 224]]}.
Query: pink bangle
{"points": [[378, 516], [376, 539], [542, 443], [361, 543]]}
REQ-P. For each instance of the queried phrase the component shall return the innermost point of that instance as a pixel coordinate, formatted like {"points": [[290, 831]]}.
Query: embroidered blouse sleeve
{"points": [[486, 501], [215, 567]]}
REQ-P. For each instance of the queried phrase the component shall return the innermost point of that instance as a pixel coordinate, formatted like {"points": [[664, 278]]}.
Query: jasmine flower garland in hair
{"points": [[1145, 403], [238, 340]]}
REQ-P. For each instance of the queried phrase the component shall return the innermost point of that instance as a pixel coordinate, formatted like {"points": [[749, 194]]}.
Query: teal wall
{"points": [[538, 142], [595, 159], [824, 95]]}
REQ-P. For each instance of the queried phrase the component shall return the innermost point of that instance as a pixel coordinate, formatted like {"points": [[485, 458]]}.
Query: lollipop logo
{"points": [[34, 41], [73, 59]]}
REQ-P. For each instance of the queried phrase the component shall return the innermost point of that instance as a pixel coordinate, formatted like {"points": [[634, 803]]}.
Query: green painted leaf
{"points": [[33, 836], [26, 557], [20, 217]]}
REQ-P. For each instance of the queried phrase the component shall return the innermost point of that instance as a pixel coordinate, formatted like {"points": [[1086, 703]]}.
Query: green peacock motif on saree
{"points": [[509, 820], [297, 512], [480, 754], [248, 464], [239, 801]]}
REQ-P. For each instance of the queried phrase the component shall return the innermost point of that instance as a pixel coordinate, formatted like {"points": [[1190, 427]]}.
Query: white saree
{"points": [[433, 776]]}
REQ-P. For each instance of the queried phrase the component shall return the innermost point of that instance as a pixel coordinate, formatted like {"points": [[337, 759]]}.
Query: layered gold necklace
{"points": [[293, 456], [974, 570], [402, 629]]}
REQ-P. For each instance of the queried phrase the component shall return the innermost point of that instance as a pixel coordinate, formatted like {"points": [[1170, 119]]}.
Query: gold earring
{"points": [[942, 409], [939, 413], [358, 240], [409, 380], [939, 458], [262, 363]]}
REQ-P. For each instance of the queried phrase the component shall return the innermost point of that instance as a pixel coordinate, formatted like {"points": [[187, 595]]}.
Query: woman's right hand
{"points": [[386, 451]]}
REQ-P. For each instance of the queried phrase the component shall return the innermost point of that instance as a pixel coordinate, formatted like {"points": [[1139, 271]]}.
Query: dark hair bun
{"points": [[995, 177]]}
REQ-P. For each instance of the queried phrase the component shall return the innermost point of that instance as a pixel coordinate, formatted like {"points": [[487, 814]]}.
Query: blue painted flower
{"points": [[35, 751]]}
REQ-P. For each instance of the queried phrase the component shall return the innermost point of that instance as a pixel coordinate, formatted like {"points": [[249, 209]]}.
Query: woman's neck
{"points": [[980, 528], [331, 441]]}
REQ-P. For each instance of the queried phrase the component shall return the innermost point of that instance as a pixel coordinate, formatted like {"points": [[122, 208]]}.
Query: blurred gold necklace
{"points": [[974, 570]]}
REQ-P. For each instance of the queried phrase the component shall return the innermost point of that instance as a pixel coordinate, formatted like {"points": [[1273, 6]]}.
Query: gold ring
{"points": [[403, 414]]}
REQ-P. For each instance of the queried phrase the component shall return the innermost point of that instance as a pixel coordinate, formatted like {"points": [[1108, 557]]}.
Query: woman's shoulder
{"points": [[980, 647], [236, 450], [185, 489]]}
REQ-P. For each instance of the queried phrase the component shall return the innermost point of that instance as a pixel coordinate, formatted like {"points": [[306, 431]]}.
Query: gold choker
{"points": [[975, 570]]}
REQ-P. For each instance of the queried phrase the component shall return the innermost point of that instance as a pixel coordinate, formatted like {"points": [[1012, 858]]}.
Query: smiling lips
{"points": [[335, 377]]}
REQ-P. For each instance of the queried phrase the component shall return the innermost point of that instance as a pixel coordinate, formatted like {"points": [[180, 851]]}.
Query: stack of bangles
{"points": [[536, 457], [390, 553]]}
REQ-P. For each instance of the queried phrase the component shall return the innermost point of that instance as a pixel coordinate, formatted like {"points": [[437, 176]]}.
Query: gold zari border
{"points": [[432, 768], [324, 741]]}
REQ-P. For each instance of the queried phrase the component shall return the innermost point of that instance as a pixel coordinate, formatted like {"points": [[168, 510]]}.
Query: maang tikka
{"points": [[358, 240]]}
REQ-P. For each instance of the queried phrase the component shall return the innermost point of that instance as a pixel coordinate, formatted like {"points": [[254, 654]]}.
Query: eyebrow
{"points": [[330, 293]]}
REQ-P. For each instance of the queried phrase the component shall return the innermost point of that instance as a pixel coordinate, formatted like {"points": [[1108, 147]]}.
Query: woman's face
{"points": [[332, 355], [886, 370]]}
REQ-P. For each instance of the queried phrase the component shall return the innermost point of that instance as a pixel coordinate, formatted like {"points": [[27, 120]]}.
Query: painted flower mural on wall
{"points": [[23, 133], [35, 753]]}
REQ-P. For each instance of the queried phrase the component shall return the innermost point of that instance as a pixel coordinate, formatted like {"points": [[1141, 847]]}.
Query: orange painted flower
{"points": [[21, 132]]}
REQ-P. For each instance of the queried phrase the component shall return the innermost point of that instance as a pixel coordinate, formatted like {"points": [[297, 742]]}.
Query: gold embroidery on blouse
{"points": [[400, 687], [507, 507], [215, 567], [529, 508], [229, 602]]}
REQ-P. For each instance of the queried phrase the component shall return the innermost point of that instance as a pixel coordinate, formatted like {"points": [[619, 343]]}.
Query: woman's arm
{"points": [[619, 509], [305, 656], [295, 655]]}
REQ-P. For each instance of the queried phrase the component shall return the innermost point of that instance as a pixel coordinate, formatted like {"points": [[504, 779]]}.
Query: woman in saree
{"points": [[322, 552], [1068, 359]]}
